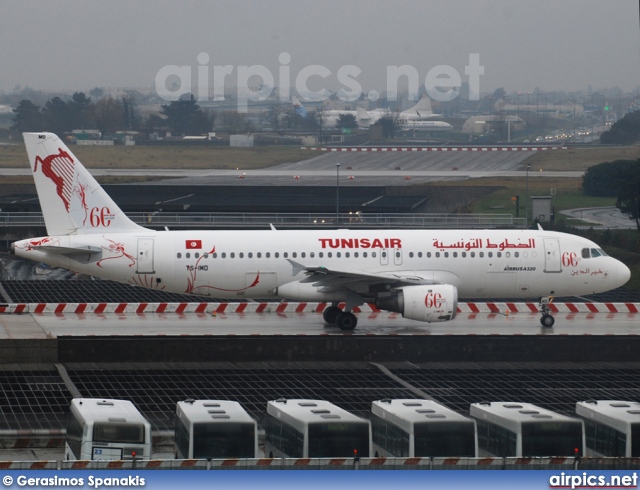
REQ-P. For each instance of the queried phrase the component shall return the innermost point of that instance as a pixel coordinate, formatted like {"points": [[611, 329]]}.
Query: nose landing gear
{"points": [[546, 320]]}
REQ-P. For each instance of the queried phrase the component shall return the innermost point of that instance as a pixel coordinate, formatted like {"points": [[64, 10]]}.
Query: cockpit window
{"points": [[603, 253], [585, 253], [595, 253]]}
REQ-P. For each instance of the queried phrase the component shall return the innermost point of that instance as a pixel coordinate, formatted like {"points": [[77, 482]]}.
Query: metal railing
{"points": [[296, 220]]}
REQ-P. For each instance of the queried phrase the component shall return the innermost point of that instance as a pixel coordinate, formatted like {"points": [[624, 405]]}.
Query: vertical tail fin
{"points": [[422, 108], [72, 201]]}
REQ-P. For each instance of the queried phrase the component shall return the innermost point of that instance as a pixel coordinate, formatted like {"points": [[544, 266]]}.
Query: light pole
{"points": [[337, 194], [526, 203]]}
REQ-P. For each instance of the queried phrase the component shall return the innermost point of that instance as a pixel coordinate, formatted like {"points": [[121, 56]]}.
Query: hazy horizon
{"points": [[73, 45]]}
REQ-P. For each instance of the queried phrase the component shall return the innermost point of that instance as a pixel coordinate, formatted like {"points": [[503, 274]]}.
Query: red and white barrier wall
{"points": [[273, 307]]}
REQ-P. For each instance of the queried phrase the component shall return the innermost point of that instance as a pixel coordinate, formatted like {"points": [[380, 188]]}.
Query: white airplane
{"points": [[422, 111], [425, 126], [418, 273]]}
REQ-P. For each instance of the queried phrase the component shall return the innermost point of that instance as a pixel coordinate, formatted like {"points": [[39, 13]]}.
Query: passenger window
{"points": [[179, 255], [320, 254], [338, 254], [355, 254], [428, 255], [214, 255], [187, 255], [411, 254], [516, 254], [276, 255], [364, 254], [329, 254], [455, 255], [206, 256], [420, 255], [312, 254], [285, 255], [490, 254], [446, 255], [464, 255], [499, 254], [196, 255], [223, 255], [384, 254], [232, 255], [481, 254], [437, 255], [259, 255], [373, 254], [303, 255], [507, 254], [294, 255], [346, 254], [241, 255], [473, 254]]}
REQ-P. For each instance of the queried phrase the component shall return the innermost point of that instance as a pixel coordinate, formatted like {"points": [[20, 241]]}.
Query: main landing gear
{"points": [[345, 320], [546, 320]]}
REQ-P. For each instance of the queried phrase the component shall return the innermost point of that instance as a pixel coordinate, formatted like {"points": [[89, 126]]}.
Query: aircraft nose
{"points": [[624, 274]]}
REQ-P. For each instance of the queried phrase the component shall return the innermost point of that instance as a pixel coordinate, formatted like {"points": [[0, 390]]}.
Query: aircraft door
{"points": [[145, 256], [552, 258], [384, 256]]}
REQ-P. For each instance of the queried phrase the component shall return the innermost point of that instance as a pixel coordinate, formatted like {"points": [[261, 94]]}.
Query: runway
{"points": [[53, 325]]}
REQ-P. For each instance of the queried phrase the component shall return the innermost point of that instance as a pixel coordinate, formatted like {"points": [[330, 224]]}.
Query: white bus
{"points": [[296, 428], [106, 429], [214, 429], [508, 429], [420, 428], [612, 427]]}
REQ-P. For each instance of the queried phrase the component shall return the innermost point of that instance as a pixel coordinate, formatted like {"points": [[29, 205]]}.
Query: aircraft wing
{"points": [[335, 279]]}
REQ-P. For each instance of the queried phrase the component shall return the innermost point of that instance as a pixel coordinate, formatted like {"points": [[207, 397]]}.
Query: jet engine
{"points": [[433, 303]]}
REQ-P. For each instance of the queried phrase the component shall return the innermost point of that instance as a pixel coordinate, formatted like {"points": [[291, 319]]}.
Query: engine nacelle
{"points": [[436, 303]]}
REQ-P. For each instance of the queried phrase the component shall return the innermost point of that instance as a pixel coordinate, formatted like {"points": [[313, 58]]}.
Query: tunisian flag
{"points": [[193, 244]]}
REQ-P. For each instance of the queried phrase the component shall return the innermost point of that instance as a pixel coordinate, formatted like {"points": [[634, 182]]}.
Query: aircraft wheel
{"points": [[547, 321], [330, 314], [347, 321]]}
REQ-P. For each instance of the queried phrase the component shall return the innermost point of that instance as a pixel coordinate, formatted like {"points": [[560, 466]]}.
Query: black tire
{"points": [[347, 321], [547, 321], [330, 314]]}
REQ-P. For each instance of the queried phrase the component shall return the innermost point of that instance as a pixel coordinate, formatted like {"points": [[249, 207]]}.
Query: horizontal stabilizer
{"points": [[80, 254]]}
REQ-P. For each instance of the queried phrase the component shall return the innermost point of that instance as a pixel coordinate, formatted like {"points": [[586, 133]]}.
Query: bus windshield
{"points": [[551, 439], [223, 440], [118, 432], [444, 439], [635, 440], [338, 439]]}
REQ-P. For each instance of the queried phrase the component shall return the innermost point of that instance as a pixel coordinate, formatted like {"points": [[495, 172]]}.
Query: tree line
{"points": [[619, 179], [109, 115]]}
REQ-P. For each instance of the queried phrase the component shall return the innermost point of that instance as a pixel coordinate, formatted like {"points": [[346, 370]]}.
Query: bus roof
{"points": [[513, 414], [213, 411], [404, 411], [610, 412], [105, 410], [299, 412]]}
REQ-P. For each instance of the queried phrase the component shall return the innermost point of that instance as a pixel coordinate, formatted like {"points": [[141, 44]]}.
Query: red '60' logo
{"points": [[100, 217], [433, 300], [569, 259]]}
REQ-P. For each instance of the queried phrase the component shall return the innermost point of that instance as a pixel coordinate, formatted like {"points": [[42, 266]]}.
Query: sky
{"points": [[521, 45]]}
